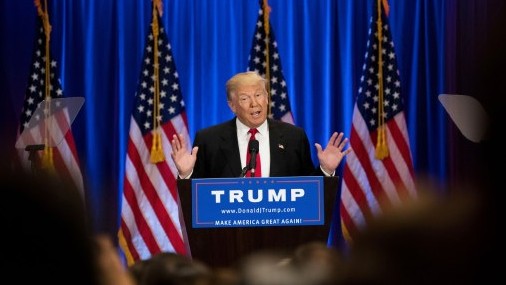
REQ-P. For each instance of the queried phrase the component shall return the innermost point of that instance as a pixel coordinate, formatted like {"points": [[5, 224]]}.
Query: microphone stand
{"points": [[244, 171]]}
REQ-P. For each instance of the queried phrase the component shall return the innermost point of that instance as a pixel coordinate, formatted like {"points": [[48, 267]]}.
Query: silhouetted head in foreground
{"points": [[46, 235]]}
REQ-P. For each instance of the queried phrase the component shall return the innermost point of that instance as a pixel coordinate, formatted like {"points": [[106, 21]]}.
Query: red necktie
{"points": [[258, 169]]}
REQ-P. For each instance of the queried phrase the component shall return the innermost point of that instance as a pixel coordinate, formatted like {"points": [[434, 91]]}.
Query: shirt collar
{"points": [[243, 129]]}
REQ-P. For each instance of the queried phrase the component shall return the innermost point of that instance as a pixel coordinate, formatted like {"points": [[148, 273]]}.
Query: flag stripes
{"points": [[372, 185]]}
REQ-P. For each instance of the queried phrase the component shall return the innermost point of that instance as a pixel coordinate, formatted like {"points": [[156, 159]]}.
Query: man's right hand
{"points": [[183, 159]]}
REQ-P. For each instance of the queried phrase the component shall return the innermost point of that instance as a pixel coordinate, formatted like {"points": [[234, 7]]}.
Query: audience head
{"points": [[168, 268], [46, 233], [248, 98], [317, 262], [268, 268], [434, 240]]}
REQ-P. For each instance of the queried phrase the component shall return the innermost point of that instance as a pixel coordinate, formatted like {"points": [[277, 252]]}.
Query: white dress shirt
{"points": [[262, 136]]}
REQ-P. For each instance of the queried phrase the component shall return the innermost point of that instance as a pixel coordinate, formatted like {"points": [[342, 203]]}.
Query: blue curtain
{"points": [[99, 44]]}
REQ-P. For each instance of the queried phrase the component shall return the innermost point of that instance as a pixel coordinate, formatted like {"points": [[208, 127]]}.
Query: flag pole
{"points": [[267, 11], [381, 145], [157, 154], [47, 158]]}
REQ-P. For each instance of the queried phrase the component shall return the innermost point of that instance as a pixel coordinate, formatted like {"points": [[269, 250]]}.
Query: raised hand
{"points": [[334, 152], [182, 157]]}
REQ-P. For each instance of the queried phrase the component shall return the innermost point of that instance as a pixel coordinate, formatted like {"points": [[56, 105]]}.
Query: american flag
{"points": [[257, 61], [149, 211], [47, 130], [370, 184]]}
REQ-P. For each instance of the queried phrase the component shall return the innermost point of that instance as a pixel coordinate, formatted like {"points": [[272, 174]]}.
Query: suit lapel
{"points": [[229, 147], [277, 147]]}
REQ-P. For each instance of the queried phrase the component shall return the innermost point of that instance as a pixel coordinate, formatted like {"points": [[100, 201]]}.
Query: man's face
{"points": [[250, 104]]}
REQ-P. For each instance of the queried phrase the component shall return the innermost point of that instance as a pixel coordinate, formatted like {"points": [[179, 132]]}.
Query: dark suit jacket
{"points": [[218, 155]]}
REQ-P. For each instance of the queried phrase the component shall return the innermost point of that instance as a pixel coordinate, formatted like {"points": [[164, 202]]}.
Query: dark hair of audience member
{"points": [[319, 263], [268, 267], [168, 268], [46, 233]]}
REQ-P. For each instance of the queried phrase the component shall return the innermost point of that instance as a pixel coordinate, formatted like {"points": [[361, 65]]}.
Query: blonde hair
{"points": [[241, 79]]}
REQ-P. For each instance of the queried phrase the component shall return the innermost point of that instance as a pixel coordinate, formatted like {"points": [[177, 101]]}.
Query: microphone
{"points": [[253, 150]]}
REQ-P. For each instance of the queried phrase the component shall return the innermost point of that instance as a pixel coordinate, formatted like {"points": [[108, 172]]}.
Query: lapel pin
{"points": [[281, 146]]}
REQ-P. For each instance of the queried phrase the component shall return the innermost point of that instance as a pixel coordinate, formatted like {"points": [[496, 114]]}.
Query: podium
{"points": [[224, 247]]}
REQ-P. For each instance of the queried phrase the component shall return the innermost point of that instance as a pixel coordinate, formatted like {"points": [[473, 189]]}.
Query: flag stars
{"points": [[150, 101], [175, 86], [172, 110], [140, 109], [173, 98]]}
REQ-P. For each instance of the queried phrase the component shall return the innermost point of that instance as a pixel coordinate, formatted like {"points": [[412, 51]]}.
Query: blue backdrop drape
{"points": [[99, 44]]}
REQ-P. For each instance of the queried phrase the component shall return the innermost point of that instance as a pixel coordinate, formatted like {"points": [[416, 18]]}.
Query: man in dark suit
{"points": [[222, 150]]}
